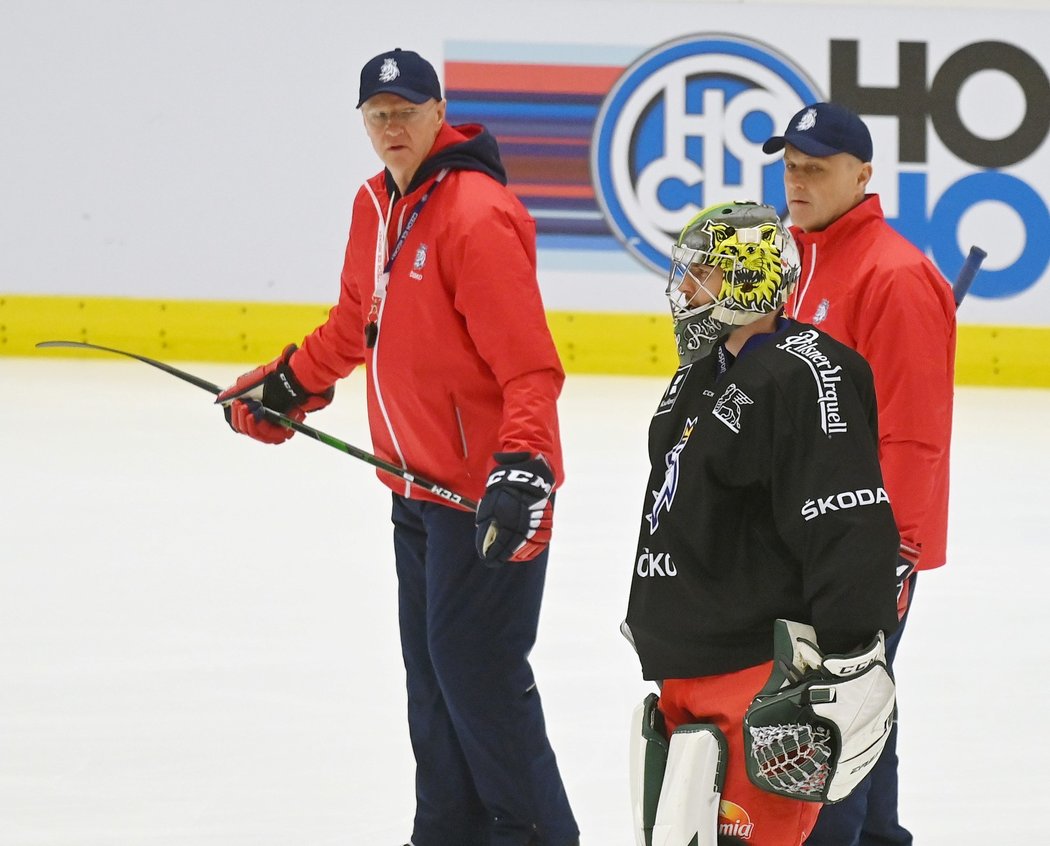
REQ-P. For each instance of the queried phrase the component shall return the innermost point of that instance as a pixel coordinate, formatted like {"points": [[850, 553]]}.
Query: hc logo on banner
{"points": [[683, 128]]}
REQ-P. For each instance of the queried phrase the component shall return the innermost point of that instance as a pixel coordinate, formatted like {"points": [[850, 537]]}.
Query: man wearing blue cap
{"points": [[868, 287], [440, 303]]}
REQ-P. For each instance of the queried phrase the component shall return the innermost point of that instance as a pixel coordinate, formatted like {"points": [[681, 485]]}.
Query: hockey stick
{"points": [[287, 422], [967, 274]]}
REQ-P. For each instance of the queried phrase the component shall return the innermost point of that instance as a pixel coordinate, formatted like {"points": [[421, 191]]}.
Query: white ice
{"points": [[198, 640]]}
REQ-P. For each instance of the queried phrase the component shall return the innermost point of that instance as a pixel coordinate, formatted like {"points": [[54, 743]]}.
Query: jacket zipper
{"points": [[382, 245], [462, 432], [797, 314]]}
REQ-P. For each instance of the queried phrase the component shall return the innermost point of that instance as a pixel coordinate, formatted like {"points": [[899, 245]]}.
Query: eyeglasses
{"points": [[380, 119]]}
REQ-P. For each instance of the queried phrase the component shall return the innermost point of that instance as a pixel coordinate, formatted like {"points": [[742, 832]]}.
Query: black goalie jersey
{"points": [[765, 500]]}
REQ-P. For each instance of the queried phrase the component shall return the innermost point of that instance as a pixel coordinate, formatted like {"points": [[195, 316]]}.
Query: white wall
{"points": [[210, 150]]}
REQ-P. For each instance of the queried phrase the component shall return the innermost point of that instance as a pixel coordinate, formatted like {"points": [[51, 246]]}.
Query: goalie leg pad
{"points": [[688, 807], [676, 785], [648, 761]]}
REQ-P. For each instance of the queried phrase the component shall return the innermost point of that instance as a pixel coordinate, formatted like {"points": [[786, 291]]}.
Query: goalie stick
{"points": [[287, 422], [967, 274]]}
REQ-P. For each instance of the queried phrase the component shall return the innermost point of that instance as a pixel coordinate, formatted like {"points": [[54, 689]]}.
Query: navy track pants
{"points": [[485, 771], [868, 816]]}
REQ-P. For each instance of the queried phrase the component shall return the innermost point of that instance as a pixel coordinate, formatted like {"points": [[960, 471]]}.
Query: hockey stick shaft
{"points": [[284, 420], [967, 274]]}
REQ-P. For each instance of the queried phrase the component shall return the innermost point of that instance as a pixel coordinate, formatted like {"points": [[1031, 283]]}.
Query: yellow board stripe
{"points": [[1007, 356], [177, 330], [589, 342]]}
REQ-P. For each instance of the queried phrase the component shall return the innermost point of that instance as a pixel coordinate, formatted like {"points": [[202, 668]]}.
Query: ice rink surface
{"points": [[198, 639]]}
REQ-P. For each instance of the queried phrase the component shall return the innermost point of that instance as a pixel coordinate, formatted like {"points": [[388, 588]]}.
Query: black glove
{"points": [[275, 386], [515, 515]]}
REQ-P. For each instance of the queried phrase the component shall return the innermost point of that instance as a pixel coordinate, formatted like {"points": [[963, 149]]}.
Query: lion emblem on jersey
{"points": [[753, 273]]}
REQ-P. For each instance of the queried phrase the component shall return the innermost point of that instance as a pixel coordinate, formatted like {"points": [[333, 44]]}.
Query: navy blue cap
{"points": [[400, 72], [824, 129]]}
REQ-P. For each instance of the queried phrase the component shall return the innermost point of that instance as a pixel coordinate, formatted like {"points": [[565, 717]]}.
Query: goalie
{"points": [[764, 577]]}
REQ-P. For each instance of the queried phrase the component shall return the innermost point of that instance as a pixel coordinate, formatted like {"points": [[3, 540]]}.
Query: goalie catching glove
{"points": [[273, 386], [820, 723], [515, 514]]}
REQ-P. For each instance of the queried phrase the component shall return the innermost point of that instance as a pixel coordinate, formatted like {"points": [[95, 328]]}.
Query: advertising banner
{"points": [[188, 153], [614, 148]]}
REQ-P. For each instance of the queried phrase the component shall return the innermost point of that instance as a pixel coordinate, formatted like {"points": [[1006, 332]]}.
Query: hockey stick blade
{"points": [[967, 274], [283, 420], [160, 365]]}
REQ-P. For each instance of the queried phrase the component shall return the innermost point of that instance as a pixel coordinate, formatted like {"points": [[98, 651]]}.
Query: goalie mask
{"points": [[732, 264]]}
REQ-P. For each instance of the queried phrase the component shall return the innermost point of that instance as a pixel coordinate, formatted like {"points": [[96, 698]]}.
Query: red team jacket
{"points": [[464, 364], [868, 287]]}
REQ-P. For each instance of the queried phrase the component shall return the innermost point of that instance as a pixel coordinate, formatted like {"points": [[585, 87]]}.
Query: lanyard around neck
{"points": [[383, 278], [412, 218]]}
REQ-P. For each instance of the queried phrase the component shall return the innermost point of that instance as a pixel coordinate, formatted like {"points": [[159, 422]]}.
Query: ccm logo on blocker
{"points": [[841, 501]]}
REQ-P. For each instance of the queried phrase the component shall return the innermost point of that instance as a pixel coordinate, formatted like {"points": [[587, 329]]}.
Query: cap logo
{"points": [[807, 121], [390, 71]]}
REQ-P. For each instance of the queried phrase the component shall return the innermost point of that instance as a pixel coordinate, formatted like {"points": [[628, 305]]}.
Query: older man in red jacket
{"points": [[868, 287], [439, 301]]}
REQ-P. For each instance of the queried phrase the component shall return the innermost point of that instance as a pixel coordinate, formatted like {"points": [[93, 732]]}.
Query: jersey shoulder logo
{"points": [[729, 406]]}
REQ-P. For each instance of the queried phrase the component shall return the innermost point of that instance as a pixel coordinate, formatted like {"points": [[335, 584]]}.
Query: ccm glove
{"points": [[276, 387], [515, 514]]}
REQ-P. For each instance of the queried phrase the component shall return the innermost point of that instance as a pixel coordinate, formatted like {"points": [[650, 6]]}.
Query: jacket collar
{"points": [[464, 147], [840, 231]]}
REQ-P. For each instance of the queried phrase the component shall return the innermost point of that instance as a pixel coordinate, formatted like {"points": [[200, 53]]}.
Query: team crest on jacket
{"points": [[665, 496], [821, 313], [389, 71], [418, 262], [729, 405]]}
